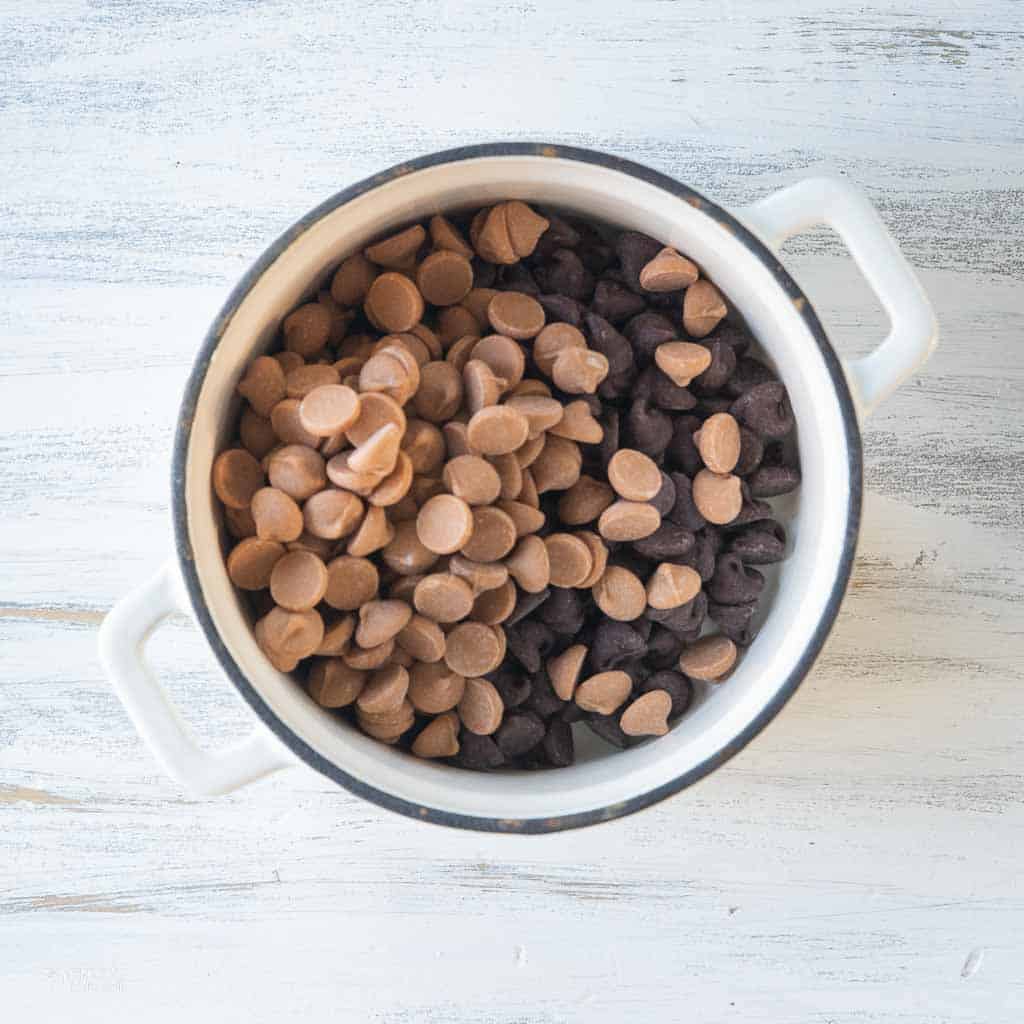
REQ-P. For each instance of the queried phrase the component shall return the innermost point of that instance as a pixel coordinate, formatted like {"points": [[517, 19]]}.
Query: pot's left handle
{"points": [[122, 642]]}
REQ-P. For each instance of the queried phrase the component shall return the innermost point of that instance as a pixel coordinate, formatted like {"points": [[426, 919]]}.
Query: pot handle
{"points": [[914, 331], [122, 640]]}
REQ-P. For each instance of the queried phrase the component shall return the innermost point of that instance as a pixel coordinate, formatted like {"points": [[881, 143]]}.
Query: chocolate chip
{"points": [[607, 727], [685, 512], [681, 452], [660, 389], [615, 302], [664, 501], [771, 481], [648, 430], [517, 277], [558, 744], [749, 373], [559, 235], [647, 331], [702, 555], [753, 510], [676, 685], [684, 620], [610, 442], [480, 753], [563, 309], [751, 452], [760, 543], [735, 621], [513, 685], [733, 582], [723, 364], [564, 611], [612, 644], [736, 337], [663, 647], [529, 642], [765, 409], [670, 541], [604, 338], [712, 405], [525, 605], [635, 251], [484, 273], [519, 733], [564, 273], [543, 700]]}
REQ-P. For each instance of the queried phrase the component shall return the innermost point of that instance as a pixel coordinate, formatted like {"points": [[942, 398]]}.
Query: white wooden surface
{"points": [[861, 862]]}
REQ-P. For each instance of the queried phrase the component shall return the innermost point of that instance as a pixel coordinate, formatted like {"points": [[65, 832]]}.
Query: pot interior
{"points": [[806, 586]]}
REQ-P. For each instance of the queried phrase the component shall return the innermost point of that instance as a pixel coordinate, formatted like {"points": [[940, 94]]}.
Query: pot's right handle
{"points": [[914, 331], [122, 641]]}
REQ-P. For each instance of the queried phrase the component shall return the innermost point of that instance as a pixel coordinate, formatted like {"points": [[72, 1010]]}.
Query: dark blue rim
{"points": [[252, 697]]}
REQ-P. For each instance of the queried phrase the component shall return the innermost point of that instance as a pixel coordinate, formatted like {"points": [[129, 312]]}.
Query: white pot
{"points": [[827, 395]]}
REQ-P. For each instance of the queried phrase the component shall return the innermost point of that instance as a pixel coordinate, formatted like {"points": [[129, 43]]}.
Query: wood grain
{"points": [[859, 863]]}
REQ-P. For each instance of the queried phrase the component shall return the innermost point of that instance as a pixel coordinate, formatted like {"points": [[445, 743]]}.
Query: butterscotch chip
{"points": [[480, 387], [430, 340], [384, 691], [298, 581], [237, 476], [376, 410], [341, 473], [434, 688], [395, 485], [314, 545], [332, 684], [682, 360], [474, 649], [332, 514], [403, 588], [374, 533], [668, 272], [477, 302], [570, 559], [348, 366], [634, 476], [424, 640], [444, 277], [472, 479], [424, 444], [444, 524], [647, 715], [440, 392], [239, 522], [379, 453], [328, 409], [443, 597], [579, 371], [480, 576], [367, 659], [481, 707], [718, 442], [352, 280], [708, 658], [578, 424], [404, 510], [351, 582], [598, 552], [387, 728], [703, 309], [251, 562], [424, 488], [526, 518], [337, 637], [493, 241], [717, 496], [445, 235], [554, 340], [456, 439], [392, 370], [360, 346], [493, 536], [516, 315], [584, 501], [505, 358], [530, 564], [288, 361], [379, 621], [288, 636], [276, 515], [455, 322], [394, 302], [495, 606], [440, 738], [628, 520], [303, 379], [620, 594], [398, 251], [531, 387], [604, 693], [297, 470], [400, 657], [557, 467], [672, 586], [307, 330], [528, 495], [264, 384], [564, 670], [332, 444], [541, 412], [525, 227], [409, 341], [459, 354], [406, 554], [257, 434], [497, 430], [510, 474], [287, 424]]}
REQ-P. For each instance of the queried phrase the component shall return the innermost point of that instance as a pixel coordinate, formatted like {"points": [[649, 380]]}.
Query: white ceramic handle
{"points": [[914, 331], [123, 637]]}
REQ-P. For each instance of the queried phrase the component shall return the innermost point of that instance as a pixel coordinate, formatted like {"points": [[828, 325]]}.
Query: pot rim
{"points": [[252, 697]]}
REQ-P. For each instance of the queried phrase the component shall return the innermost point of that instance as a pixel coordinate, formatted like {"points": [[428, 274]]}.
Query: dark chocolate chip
{"points": [[668, 542], [608, 728], [572, 712], [648, 430], [676, 685], [684, 512], [525, 604], [529, 642], [751, 452], [597, 255], [765, 409], [636, 670], [659, 388], [560, 234], [604, 338], [749, 373], [760, 543], [752, 510], [683, 620], [484, 273], [480, 753], [735, 621], [543, 700], [736, 337], [564, 611], [516, 277], [613, 643], [558, 744], [615, 302], [512, 683], [733, 582], [647, 331], [664, 501], [562, 309], [663, 647], [771, 481], [610, 442], [712, 404], [635, 251], [702, 555], [617, 386], [519, 733], [682, 451], [564, 273], [723, 363]]}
